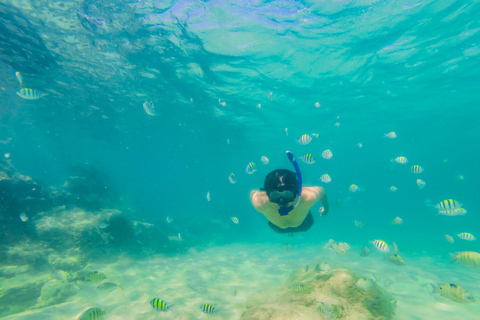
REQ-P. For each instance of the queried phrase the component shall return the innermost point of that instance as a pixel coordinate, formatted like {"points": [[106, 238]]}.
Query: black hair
{"points": [[281, 180]]}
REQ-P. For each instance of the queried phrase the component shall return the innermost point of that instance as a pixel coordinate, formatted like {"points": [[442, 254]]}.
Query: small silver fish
{"points": [[96, 21], [149, 108], [325, 267], [107, 286], [364, 283], [387, 282], [19, 77], [364, 252], [395, 259], [359, 223]]}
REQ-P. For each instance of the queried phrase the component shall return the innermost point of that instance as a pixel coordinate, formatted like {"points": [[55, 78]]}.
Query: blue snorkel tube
{"points": [[283, 211]]}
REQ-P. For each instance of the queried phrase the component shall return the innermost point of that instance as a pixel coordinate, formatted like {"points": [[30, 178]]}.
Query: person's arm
{"points": [[310, 195], [324, 201], [259, 200]]}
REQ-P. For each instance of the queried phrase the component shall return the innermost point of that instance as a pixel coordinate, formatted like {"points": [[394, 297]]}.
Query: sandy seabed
{"points": [[226, 276]]}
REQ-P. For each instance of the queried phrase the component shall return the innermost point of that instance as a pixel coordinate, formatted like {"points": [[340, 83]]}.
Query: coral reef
{"points": [[333, 294], [48, 235], [89, 188], [19, 195]]}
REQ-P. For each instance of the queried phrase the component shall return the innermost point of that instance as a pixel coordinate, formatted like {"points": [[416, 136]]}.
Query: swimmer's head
{"points": [[281, 186]]}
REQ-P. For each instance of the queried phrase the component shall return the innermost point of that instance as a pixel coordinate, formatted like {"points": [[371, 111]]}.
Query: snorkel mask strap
{"points": [[283, 211]]}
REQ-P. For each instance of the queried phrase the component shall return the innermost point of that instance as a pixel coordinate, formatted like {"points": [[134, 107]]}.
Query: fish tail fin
{"points": [[435, 289], [453, 257]]}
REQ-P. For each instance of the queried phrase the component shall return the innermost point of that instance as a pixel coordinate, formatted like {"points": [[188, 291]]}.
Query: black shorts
{"points": [[306, 224]]}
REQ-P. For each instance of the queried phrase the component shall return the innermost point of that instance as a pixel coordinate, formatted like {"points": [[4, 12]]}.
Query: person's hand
{"points": [[322, 212]]}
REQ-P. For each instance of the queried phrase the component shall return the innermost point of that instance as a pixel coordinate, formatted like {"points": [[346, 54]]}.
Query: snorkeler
{"points": [[285, 203]]}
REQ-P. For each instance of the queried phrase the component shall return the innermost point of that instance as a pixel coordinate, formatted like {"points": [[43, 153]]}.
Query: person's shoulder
{"points": [[312, 193], [258, 197], [314, 189]]}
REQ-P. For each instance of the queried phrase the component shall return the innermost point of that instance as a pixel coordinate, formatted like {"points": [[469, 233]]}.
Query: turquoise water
{"points": [[412, 67]]}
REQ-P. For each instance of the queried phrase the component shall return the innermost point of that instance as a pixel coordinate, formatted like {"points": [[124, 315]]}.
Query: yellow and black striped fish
{"points": [[453, 292], [95, 276], [466, 236], [29, 94], [380, 245], [159, 304], [416, 169], [91, 314], [308, 158], [468, 258], [207, 308], [250, 168], [305, 139], [448, 204], [303, 289]]}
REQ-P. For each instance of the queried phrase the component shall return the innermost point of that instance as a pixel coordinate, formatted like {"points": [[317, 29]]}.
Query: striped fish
{"points": [[149, 108], [91, 314], [453, 212], [448, 204], [466, 236], [308, 158], [305, 139], [325, 178], [449, 238], [421, 184], [353, 188], [416, 169], [453, 292], [468, 258], [401, 160], [207, 308], [391, 135], [250, 168], [159, 304], [380, 245], [303, 289], [29, 94], [327, 154]]}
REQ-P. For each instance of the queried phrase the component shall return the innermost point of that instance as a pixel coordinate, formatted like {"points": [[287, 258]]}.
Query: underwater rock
{"points": [[69, 260], [21, 197], [120, 230], [62, 229], [55, 292], [333, 293], [12, 271], [23, 253], [17, 296], [89, 188]]}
